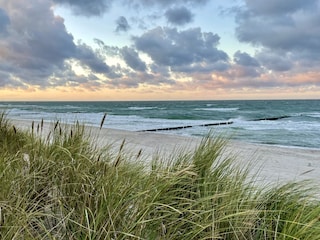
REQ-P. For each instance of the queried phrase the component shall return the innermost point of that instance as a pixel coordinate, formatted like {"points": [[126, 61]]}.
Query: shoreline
{"points": [[27, 124], [274, 164]]}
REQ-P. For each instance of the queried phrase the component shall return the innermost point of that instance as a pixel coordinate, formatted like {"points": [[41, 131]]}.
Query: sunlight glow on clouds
{"points": [[165, 49]]}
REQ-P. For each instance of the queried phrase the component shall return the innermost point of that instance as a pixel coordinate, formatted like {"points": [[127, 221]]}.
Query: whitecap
{"points": [[218, 109], [141, 108]]}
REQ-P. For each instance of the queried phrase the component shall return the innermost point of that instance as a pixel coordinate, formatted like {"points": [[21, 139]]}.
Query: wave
{"points": [[66, 107], [312, 114], [217, 109], [141, 108]]}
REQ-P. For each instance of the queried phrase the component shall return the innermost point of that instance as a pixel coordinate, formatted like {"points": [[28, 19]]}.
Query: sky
{"points": [[159, 49]]}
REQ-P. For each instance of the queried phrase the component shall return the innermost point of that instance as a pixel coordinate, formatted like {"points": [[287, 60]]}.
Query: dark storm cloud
{"points": [[37, 43], [38, 47], [274, 61], [170, 47], [4, 22], [179, 15], [160, 70], [244, 59], [132, 59], [288, 25], [87, 7], [122, 24], [89, 58], [172, 51], [276, 7]]}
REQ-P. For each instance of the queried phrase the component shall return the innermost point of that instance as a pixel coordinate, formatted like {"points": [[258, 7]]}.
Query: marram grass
{"points": [[61, 186]]}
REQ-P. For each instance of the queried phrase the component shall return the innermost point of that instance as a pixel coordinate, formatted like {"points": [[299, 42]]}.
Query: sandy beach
{"points": [[275, 164]]}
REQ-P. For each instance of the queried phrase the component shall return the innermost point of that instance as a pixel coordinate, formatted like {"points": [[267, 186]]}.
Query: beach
{"points": [[274, 164], [105, 183]]}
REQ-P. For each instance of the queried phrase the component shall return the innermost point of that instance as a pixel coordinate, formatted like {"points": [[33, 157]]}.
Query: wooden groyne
{"points": [[188, 126], [210, 124], [270, 118]]}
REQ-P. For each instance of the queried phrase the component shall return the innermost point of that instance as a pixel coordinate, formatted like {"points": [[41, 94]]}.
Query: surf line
{"points": [[188, 126]]}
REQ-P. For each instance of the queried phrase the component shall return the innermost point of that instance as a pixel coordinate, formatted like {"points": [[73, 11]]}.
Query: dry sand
{"points": [[275, 164]]}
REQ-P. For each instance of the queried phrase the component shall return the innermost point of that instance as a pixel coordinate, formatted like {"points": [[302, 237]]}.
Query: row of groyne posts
{"points": [[210, 124]]}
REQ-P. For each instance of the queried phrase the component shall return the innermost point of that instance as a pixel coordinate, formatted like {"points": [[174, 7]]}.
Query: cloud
{"points": [[202, 67], [37, 51], [37, 47], [149, 3], [91, 8], [286, 37], [275, 61], [122, 24], [245, 67], [291, 25], [174, 53], [244, 59], [170, 47], [135, 79], [87, 8], [138, 72], [179, 16], [108, 50], [70, 79], [6, 81], [240, 72], [275, 7], [132, 59], [37, 42], [160, 70], [128, 54], [89, 58]]}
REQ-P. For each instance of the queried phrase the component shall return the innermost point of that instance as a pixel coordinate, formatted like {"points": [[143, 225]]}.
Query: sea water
{"points": [[293, 123]]}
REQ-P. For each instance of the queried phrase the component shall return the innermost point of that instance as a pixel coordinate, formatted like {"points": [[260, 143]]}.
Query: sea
{"points": [[293, 123]]}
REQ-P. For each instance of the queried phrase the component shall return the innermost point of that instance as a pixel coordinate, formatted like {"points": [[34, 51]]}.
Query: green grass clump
{"points": [[61, 186]]}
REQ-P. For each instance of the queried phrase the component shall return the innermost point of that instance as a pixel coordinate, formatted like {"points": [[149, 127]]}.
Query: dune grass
{"points": [[61, 186]]}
